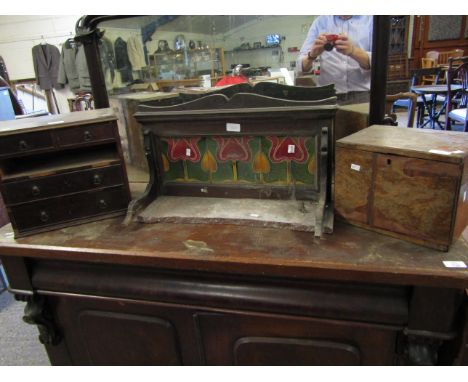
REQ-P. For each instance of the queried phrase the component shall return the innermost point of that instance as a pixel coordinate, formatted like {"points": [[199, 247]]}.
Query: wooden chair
{"points": [[459, 52], [409, 97], [443, 58], [428, 63], [456, 53], [416, 79], [457, 104], [433, 54]]}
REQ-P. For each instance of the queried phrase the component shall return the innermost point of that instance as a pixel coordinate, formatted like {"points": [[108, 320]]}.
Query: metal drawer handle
{"points": [[97, 180], [23, 145], [87, 136], [102, 204], [44, 216], [35, 190]]}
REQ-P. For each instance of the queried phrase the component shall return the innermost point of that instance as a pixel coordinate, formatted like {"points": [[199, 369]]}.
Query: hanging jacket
{"points": [[136, 53], [106, 51], [46, 61], [73, 67], [122, 62]]}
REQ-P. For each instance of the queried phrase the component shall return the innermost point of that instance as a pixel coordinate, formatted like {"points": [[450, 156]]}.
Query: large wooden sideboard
{"points": [[104, 293]]}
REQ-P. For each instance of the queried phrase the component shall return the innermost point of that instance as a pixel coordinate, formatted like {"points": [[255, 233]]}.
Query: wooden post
{"points": [[380, 39]]}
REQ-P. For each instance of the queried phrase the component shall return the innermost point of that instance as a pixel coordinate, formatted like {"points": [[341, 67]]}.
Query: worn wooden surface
{"points": [[78, 118], [350, 253], [444, 146]]}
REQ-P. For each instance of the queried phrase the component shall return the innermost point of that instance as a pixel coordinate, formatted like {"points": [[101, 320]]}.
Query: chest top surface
{"points": [[349, 254], [444, 146], [56, 121]]}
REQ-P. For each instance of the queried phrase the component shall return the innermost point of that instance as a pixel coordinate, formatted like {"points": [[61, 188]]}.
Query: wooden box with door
{"points": [[412, 184]]}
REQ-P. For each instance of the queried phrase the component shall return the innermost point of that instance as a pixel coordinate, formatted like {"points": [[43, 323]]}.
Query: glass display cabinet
{"points": [[185, 66]]}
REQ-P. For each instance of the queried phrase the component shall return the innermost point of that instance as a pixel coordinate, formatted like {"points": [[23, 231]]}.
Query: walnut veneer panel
{"points": [[416, 188], [415, 197], [353, 178]]}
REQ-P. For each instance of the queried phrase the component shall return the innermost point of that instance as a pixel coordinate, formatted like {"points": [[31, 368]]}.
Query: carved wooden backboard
{"points": [[247, 145]]}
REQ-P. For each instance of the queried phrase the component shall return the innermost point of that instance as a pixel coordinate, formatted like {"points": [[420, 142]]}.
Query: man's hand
{"points": [[316, 50], [318, 45], [344, 45]]}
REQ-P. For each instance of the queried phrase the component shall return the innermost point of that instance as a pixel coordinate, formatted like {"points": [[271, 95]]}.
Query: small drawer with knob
{"points": [[61, 184], [19, 144], [57, 171], [63, 210], [86, 134]]}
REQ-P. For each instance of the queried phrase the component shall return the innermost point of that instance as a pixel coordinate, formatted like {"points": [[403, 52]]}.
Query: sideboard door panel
{"points": [[108, 331], [251, 351], [128, 339], [263, 339]]}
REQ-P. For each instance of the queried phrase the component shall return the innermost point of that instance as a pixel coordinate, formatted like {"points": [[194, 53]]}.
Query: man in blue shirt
{"points": [[348, 64]]}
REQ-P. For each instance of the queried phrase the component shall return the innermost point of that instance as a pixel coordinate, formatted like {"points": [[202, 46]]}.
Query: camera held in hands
{"points": [[331, 40]]}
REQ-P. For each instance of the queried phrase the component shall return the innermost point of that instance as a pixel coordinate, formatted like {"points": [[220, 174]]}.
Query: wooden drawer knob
{"points": [[87, 135], [23, 145], [102, 204], [44, 216], [97, 179], [35, 190]]}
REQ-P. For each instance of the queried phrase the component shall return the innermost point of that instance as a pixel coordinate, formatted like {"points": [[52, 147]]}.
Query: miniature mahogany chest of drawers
{"points": [[407, 183], [62, 170]]}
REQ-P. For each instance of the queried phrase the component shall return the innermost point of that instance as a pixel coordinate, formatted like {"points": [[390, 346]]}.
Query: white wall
{"points": [[294, 28], [18, 34]]}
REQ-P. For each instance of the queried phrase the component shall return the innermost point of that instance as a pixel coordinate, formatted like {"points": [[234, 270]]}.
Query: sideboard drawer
{"points": [[50, 186], [86, 134], [54, 211], [18, 144]]}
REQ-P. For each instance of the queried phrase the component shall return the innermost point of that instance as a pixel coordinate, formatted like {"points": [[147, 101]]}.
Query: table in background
{"points": [[433, 91]]}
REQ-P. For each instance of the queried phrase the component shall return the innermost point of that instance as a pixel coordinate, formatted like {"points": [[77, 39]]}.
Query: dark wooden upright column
{"points": [[432, 325], [380, 40], [90, 41]]}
